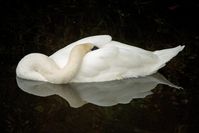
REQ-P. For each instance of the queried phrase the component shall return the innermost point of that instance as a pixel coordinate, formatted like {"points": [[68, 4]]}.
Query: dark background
{"points": [[45, 27]]}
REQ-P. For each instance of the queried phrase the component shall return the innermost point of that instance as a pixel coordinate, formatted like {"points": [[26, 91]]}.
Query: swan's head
{"points": [[40, 67], [79, 51], [86, 47]]}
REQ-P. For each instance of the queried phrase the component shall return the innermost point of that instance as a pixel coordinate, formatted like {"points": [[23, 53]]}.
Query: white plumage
{"points": [[113, 60]]}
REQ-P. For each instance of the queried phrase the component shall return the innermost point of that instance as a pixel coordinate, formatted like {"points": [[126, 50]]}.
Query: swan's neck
{"points": [[64, 75]]}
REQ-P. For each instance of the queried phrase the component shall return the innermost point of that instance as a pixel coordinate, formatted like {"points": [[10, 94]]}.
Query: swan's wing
{"points": [[116, 61], [61, 56]]}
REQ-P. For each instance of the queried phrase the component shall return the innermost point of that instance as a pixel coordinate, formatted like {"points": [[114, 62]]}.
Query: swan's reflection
{"points": [[102, 93]]}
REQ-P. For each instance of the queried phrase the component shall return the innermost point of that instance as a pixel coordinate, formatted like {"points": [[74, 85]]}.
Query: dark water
{"points": [[132, 105], [114, 107]]}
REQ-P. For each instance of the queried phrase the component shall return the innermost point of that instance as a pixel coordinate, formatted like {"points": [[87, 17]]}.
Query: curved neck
{"points": [[59, 76]]}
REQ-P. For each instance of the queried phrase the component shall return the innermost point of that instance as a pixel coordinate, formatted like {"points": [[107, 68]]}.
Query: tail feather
{"points": [[167, 54]]}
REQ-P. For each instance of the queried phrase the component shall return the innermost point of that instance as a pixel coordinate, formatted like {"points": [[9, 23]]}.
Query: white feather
{"points": [[113, 60]]}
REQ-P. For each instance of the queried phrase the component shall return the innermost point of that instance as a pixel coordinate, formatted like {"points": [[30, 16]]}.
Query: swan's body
{"points": [[113, 60]]}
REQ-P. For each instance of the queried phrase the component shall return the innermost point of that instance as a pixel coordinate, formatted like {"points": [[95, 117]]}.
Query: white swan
{"points": [[113, 60], [101, 93]]}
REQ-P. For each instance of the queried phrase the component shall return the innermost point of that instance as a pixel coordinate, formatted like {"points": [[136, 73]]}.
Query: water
{"points": [[112, 107], [132, 105]]}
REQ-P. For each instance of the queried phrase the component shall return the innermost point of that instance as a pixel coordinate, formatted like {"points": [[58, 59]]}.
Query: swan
{"points": [[76, 62], [108, 93]]}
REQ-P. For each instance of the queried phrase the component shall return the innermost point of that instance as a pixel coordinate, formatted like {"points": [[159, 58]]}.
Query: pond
{"points": [[148, 104], [165, 102]]}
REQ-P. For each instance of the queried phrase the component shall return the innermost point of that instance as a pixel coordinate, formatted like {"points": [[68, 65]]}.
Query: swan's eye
{"points": [[94, 48]]}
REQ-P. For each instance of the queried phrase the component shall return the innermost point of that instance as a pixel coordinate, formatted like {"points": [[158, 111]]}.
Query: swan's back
{"points": [[118, 61]]}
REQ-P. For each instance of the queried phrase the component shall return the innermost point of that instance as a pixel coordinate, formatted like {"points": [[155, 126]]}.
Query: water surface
{"points": [[115, 107]]}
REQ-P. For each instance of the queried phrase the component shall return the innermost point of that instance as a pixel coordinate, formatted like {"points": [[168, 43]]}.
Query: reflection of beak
{"points": [[100, 93]]}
